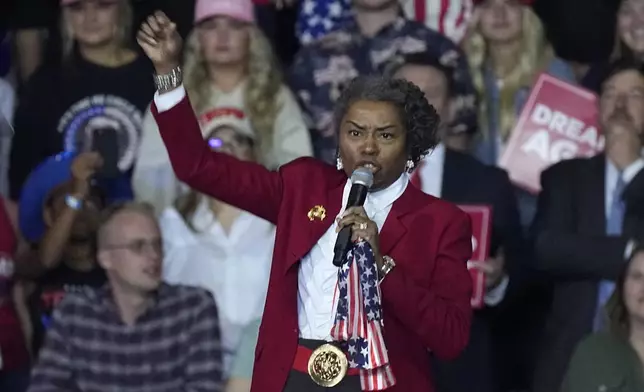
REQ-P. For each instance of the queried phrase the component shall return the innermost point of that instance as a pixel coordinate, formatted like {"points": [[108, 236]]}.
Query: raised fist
{"points": [[159, 39]]}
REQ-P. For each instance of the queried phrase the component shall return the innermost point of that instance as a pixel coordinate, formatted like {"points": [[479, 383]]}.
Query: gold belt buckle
{"points": [[327, 365]]}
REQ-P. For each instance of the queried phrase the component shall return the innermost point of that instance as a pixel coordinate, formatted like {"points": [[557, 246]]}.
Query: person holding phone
{"points": [[101, 82], [58, 214]]}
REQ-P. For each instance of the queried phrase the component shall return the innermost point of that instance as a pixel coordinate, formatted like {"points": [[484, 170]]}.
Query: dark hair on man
{"points": [[423, 59], [622, 65], [418, 116]]}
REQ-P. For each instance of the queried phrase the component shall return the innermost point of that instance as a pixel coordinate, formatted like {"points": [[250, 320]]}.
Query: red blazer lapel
{"points": [[411, 200], [308, 232], [310, 225]]}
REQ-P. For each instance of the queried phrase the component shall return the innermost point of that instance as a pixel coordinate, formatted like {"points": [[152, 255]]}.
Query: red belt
{"points": [[301, 362]]}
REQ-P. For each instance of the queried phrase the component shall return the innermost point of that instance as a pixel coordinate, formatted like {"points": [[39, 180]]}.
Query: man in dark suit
{"points": [[461, 179], [588, 222]]}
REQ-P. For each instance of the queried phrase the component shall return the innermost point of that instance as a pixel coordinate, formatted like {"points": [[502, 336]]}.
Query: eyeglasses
{"points": [[141, 247]]}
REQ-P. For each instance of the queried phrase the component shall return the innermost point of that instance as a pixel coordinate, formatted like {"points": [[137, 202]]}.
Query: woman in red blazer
{"points": [[417, 245]]}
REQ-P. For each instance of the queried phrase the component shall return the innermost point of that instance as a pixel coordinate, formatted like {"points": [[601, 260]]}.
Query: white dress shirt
{"points": [[430, 173], [317, 276], [612, 174], [234, 266]]}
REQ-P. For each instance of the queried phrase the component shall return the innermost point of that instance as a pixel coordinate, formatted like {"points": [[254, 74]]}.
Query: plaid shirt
{"points": [[173, 347], [322, 69]]}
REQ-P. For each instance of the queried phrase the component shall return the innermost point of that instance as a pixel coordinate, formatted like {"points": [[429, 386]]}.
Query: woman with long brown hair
{"points": [[507, 50], [613, 360], [228, 63]]}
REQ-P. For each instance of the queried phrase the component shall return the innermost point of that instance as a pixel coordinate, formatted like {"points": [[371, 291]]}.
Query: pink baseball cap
{"points": [[236, 9]]}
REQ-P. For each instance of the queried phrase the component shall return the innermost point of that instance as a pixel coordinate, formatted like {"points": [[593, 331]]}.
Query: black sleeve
{"points": [[559, 250], [31, 140], [508, 230]]}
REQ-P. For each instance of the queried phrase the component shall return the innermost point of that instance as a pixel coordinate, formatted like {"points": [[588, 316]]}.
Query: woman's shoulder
{"points": [[47, 75], [602, 342], [601, 359], [139, 63], [285, 95], [309, 166]]}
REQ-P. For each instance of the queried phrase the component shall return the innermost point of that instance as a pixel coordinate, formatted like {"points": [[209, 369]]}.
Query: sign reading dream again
{"points": [[558, 121]]}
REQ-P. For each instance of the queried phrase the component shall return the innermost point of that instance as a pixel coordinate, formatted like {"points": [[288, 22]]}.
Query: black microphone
{"points": [[362, 179]]}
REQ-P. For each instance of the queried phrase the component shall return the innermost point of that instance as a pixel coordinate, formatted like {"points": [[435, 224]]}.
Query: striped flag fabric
{"points": [[449, 17], [359, 320]]}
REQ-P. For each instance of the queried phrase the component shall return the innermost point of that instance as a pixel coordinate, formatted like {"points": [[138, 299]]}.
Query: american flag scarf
{"points": [[359, 321]]}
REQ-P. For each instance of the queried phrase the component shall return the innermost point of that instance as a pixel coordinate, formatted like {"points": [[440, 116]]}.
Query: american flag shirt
{"points": [[359, 319], [322, 69], [319, 17], [449, 17]]}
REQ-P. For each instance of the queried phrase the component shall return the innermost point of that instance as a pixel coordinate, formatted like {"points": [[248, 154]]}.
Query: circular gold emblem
{"points": [[327, 365]]}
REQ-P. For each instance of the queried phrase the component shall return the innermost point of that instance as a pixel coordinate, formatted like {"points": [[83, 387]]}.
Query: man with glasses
{"points": [[135, 333], [58, 214]]}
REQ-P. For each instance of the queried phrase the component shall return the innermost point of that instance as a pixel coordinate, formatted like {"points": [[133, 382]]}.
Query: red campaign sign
{"points": [[558, 121], [481, 218]]}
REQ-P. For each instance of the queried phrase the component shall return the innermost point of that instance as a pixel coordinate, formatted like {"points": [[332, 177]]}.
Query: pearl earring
{"points": [[409, 166], [338, 163]]}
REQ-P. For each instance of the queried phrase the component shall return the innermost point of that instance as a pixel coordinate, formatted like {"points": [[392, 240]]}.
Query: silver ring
{"points": [[363, 226]]}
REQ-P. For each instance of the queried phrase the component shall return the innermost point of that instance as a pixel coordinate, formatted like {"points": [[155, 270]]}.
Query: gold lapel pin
{"points": [[318, 212]]}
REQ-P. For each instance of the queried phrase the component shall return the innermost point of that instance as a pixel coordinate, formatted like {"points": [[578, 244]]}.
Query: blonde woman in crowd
{"points": [[613, 360], [101, 78], [507, 50], [228, 63], [218, 247]]}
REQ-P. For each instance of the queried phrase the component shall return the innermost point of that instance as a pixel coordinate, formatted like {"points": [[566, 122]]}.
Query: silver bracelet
{"points": [[169, 81], [73, 202]]}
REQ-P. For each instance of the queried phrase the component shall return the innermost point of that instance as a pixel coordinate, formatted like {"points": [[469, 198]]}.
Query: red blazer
{"points": [[426, 298]]}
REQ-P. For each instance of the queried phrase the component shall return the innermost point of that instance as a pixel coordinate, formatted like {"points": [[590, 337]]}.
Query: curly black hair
{"points": [[418, 116]]}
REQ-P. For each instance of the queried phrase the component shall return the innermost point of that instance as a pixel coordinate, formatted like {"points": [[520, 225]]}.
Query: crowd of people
{"points": [[115, 273]]}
